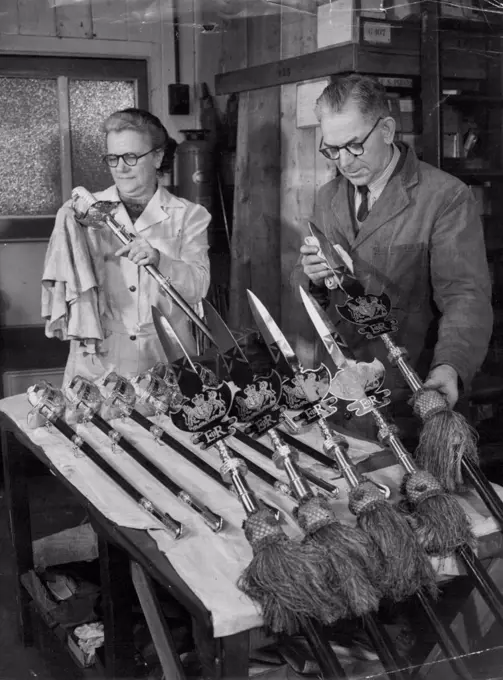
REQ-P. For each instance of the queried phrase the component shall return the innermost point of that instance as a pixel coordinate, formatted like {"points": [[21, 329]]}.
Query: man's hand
{"points": [[314, 266], [444, 378], [140, 252]]}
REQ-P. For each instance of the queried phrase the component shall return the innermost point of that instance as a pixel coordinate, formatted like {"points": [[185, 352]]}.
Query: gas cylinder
{"points": [[195, 168]]}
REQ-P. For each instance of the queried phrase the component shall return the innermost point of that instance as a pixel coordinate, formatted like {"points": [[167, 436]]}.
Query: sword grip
{"points": [[397, 356], [243, 491], [283, 460], [387, 435]]}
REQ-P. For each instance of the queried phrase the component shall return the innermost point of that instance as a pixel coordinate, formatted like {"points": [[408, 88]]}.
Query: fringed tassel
{"points": [[446, 438], [285, 577], [440, 523], [402, 565], [347, 558]]}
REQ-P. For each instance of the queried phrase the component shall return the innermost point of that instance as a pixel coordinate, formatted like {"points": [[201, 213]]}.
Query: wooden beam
{"points": [[339, 59], [400, 57]]}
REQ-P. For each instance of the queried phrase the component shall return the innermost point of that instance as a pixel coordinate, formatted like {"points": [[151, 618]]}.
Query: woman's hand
{"points": [[140, 252]]}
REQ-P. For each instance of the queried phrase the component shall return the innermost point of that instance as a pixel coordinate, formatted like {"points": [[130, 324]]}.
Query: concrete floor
{"points": [[53, 509]]}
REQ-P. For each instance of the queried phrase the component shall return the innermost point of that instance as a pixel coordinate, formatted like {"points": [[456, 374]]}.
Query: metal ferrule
{"points": [[114, 436], [211, 519], [283, 488], [77, 441], [172, 525], [387, 435], [243, 491], [156, 431]]}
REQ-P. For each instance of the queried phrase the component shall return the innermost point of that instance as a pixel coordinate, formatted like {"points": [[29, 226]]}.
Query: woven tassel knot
{"points": [[363, 497], [314, 514], [446, 438], [420, 485], [262, 529], [428, 403]]}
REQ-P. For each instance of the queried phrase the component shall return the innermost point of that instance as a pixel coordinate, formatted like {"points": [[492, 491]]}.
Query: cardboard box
{"points": [[342, 22], [462, 9]]}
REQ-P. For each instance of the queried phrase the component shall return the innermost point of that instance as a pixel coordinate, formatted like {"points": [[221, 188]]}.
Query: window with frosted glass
{"points": [[30, 163], [91, 101]]}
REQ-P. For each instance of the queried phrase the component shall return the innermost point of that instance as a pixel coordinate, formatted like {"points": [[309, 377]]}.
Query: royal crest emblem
{"points": [[371, 312], [308, 386], [347, 385], [366, 308], [203, 409], [255, 398]]}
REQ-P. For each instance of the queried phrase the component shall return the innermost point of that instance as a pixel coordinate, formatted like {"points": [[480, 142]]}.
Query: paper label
{"points": [[377, 33]]}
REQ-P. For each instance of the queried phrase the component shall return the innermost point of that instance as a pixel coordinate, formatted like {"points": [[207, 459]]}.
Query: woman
{"points": [[170, 233]]}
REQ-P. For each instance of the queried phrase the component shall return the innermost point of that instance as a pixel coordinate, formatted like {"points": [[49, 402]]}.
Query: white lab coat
{"points": [[178, 229]]}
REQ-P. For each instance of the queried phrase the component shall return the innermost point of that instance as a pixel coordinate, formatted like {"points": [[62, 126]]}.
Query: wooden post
{"points": [[256, 255], [298, 178]]}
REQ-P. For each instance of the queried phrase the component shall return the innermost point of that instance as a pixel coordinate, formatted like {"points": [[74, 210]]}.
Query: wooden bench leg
{"points": [[161, 636], [233, 657], [117, 598], [16, 458], [225, 658]]}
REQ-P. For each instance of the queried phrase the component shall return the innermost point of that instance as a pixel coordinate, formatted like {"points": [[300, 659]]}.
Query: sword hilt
{"points": [[84, 398], [119, 393]]}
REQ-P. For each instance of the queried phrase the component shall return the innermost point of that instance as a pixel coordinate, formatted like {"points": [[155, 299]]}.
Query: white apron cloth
{"points": [[178, 229]]}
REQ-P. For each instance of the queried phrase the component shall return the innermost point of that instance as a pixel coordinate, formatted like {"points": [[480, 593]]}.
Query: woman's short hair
{"points": [[146, 123], [365, 91]]}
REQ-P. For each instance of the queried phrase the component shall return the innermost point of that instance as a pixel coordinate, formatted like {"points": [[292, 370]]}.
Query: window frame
{"points": [[39, 227]]}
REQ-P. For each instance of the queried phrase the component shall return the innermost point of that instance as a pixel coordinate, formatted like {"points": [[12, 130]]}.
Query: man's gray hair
{"points": [[365, 91]]}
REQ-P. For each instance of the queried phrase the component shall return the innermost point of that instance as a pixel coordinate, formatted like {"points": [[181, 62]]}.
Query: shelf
{"points": [[321, 63], [476, 174], [472, 99], [467, 26]]}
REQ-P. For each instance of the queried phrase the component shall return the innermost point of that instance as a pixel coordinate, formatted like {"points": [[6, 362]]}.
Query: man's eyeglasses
{"points": [[131, 159], [333, 153]]}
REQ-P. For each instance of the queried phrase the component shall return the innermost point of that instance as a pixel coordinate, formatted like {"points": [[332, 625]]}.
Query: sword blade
{"points": [[279, 347], [185, 371], [326, 330], [236, 363]]}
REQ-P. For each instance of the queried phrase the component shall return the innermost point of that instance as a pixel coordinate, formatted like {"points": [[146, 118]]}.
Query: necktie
{"points": [[363, 210]]}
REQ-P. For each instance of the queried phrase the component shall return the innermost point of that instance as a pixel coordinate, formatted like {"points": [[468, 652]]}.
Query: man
{"points": [[413, 231]]}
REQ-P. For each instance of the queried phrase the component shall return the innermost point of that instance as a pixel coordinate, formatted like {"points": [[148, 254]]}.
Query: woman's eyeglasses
{"points": [[333, 153], [131, 159]]}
